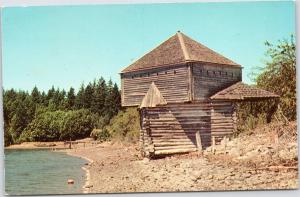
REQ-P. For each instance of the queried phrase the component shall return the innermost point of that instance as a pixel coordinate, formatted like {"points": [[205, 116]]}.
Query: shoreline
{"points": [[57, 145], [54, 145], [85, 187], [37, 148]]}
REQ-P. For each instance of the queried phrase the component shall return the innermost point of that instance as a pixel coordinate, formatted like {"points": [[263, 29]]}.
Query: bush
{"points": [[100, 134], [250, 115], [125, 125], [101, 121]]}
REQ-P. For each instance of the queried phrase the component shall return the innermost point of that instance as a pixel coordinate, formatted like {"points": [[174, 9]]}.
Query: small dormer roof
{"points": [[153, 97]]}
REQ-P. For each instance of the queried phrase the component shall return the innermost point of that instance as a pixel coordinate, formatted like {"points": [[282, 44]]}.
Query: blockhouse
{"points": [[186, 96]]}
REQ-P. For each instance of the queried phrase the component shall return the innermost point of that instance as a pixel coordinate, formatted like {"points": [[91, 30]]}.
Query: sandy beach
{"points": [[116, 168]]}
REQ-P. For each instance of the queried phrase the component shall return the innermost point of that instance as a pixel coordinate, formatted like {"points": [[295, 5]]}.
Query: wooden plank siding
{"points": [[172, 82], [209, 79], [172, 128]]}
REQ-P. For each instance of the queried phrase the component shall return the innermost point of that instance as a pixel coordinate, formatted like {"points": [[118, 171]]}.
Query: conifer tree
{"points": [[109, 100], [35, 95], [44, 101], [116, 96], [98, 102], [79, 97], [56, 98], [88, 96], [71, 99], [50, 94]]}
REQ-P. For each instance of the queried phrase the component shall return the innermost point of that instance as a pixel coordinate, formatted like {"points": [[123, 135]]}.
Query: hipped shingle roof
{"points": [[241, 91], [176, 50]]}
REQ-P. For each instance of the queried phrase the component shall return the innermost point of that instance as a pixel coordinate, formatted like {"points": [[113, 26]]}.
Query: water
{"points": [[42, 172]]}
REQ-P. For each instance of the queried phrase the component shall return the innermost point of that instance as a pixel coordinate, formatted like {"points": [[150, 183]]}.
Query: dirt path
{"points": [[118, 168]]}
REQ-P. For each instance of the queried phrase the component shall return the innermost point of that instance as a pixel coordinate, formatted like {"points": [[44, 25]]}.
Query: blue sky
{"points": [[67, 45]]}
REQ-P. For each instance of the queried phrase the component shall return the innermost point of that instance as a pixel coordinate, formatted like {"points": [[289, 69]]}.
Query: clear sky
{"points": [[67, 45]]}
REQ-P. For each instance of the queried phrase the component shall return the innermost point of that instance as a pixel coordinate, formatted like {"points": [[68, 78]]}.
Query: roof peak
{"points": [[183, 47]]}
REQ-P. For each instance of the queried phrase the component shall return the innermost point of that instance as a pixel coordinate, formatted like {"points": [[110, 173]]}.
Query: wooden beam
{"points": [[172, 151], [213, 144], [192, 82], [189, 82], [122, 90], [198, 140], [225, 143]]}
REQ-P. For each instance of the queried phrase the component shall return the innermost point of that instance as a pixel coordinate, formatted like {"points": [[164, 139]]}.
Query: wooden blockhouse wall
{"points": [[209, 79], [173, 128], [171, 81]]}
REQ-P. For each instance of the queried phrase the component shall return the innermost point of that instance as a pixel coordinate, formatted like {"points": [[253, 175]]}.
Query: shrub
{"points": [[125, 125], [251, 115], [100, 134], [101, 121]]}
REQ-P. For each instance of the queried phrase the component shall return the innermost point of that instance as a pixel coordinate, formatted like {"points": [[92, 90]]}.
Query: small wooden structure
{"points": [[186, 94]]}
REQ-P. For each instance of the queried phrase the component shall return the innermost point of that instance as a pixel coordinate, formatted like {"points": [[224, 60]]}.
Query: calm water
{"points": [[42, 172]]}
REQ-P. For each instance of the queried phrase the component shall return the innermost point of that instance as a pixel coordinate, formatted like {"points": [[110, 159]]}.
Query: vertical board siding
{"points": [[210, 79], [173, 127], [171, 82]]}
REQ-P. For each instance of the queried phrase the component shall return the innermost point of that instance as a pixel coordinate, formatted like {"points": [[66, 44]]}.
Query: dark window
{"points": [[166, 72], [157, 74], [148, 74], [174, 71]]}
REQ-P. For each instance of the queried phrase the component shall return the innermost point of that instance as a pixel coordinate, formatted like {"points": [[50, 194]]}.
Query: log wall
{"points": [[210, 79], [172, 82], [172, 128]]}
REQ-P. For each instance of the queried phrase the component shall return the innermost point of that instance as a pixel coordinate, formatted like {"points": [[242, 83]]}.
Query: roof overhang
{"points": [[243, 92]]}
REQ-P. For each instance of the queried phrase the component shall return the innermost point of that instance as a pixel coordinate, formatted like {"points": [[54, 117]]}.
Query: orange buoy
{"points": [[70, 181]]}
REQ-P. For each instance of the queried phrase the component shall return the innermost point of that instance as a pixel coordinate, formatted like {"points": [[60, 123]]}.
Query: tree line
{"points": [[58, 114]]}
